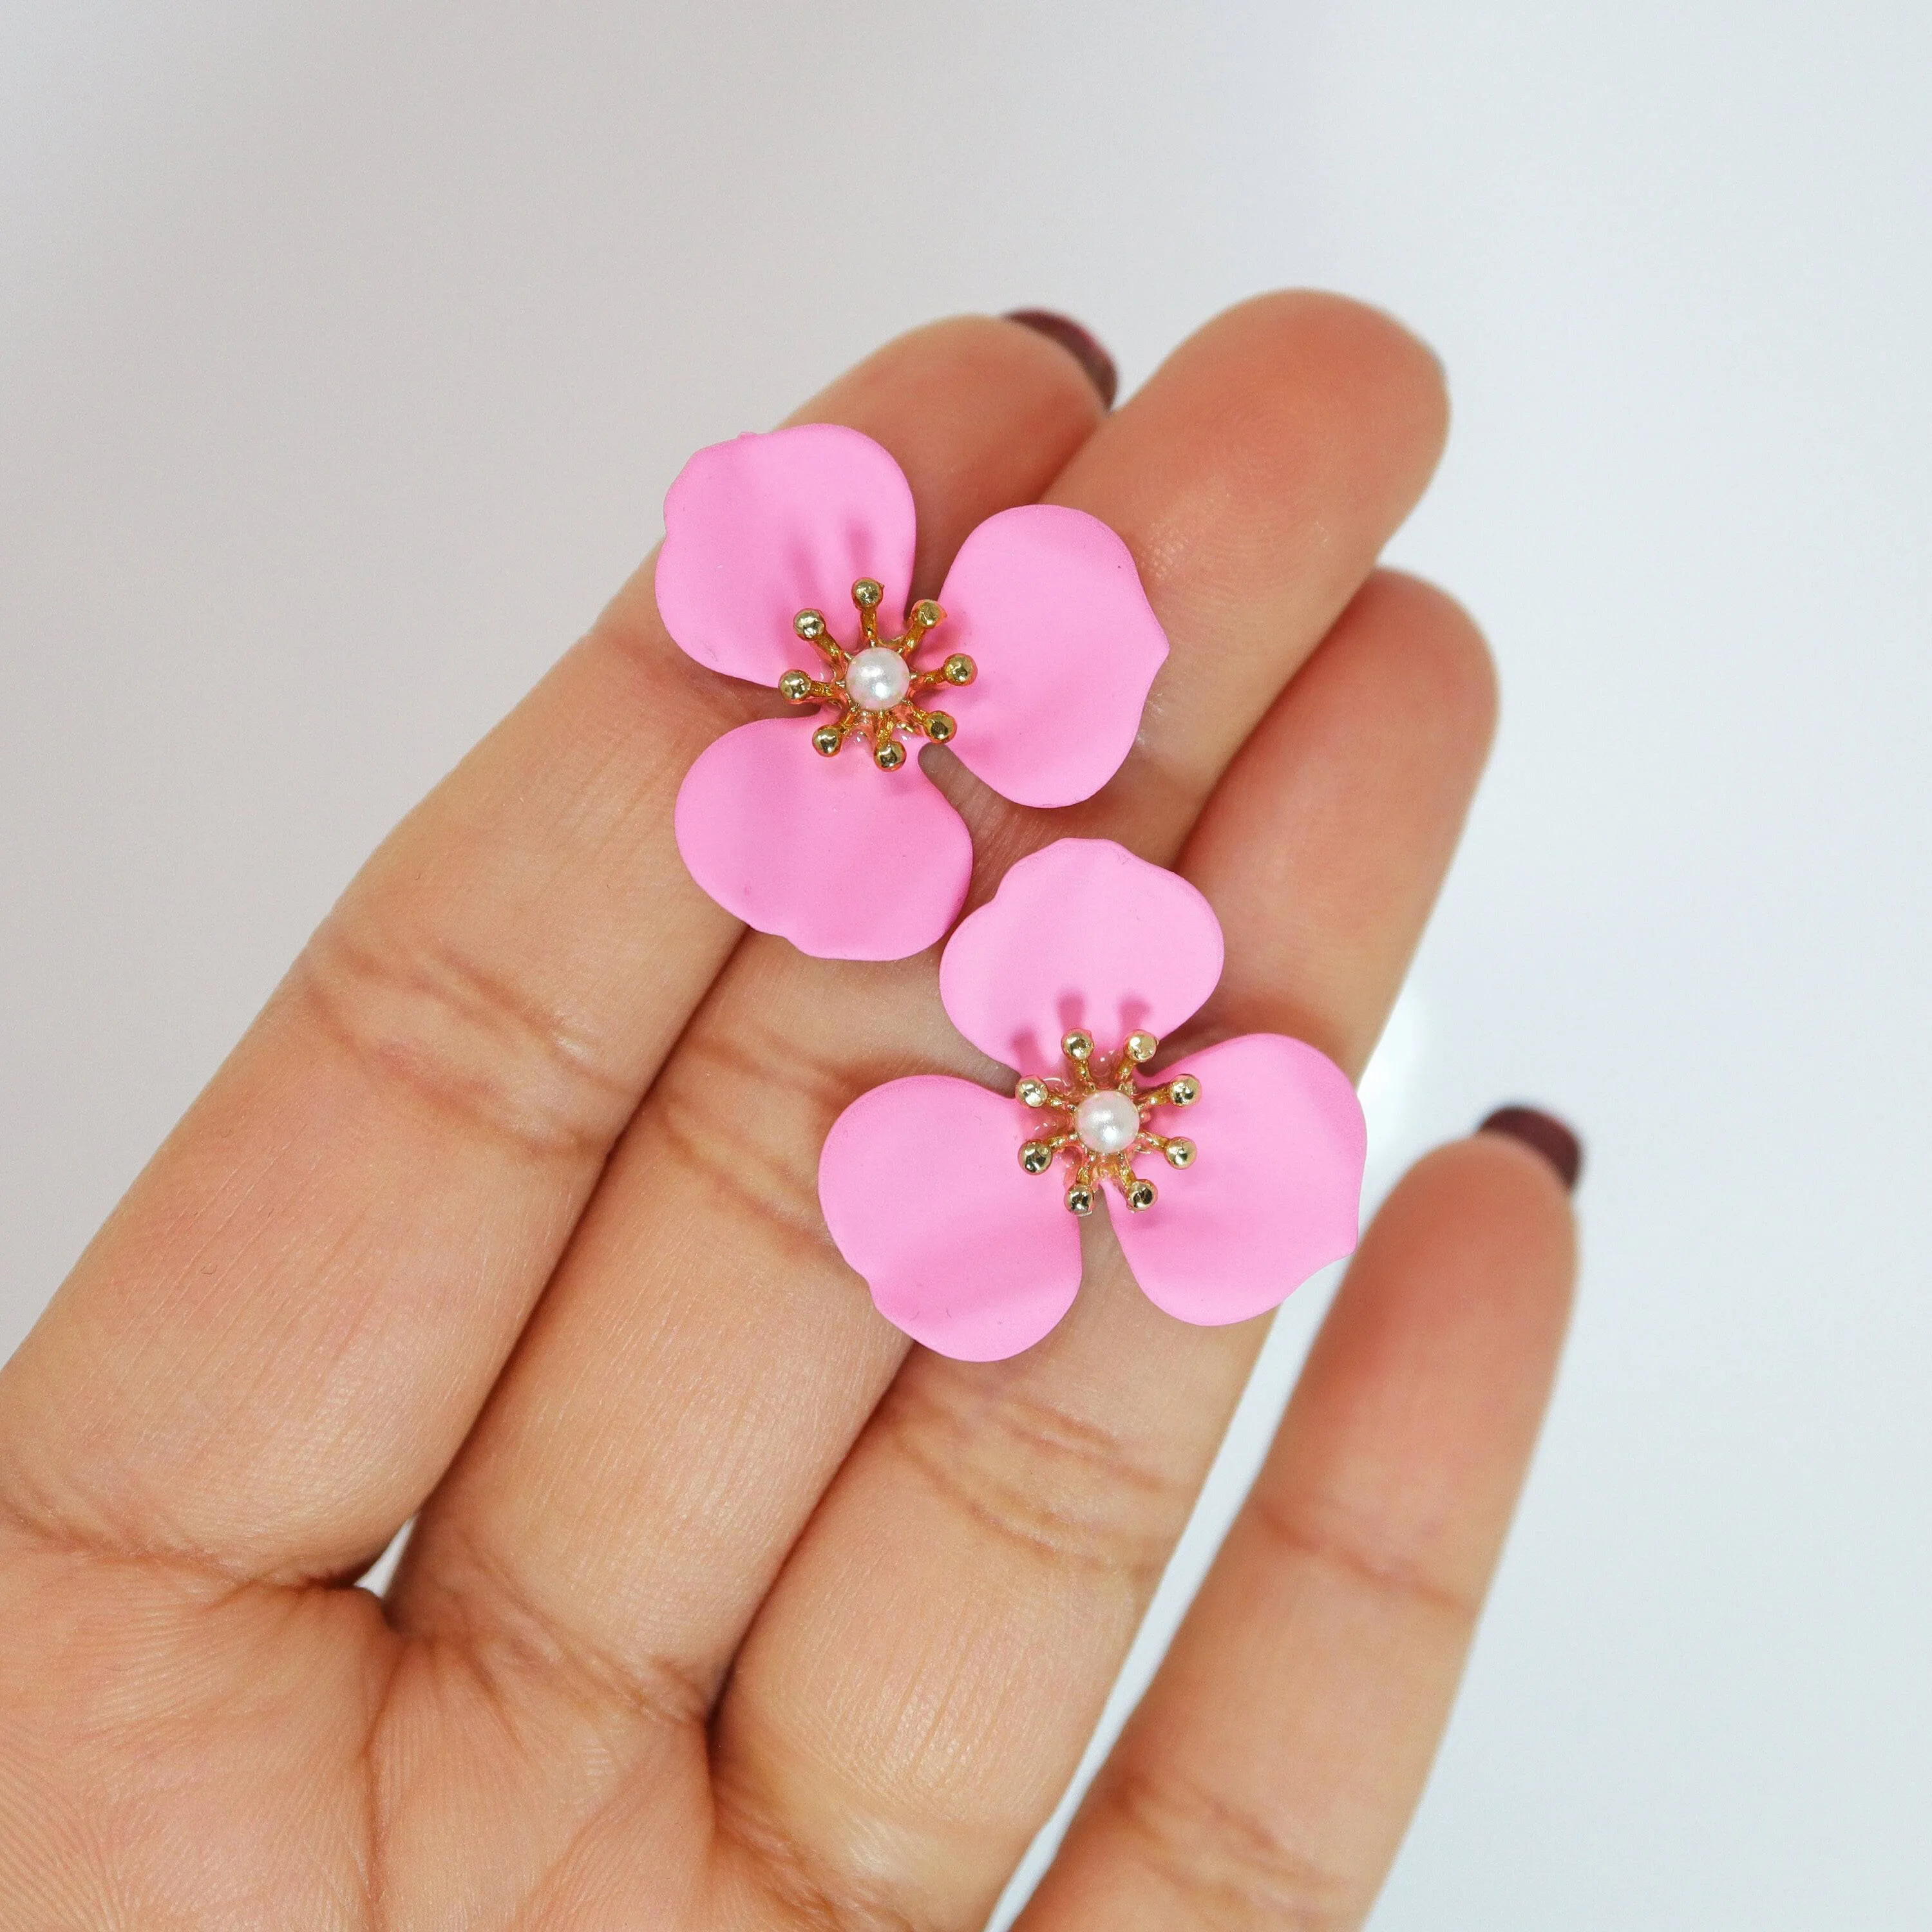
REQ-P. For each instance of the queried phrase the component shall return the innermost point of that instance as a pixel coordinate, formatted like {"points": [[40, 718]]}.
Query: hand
{"points": [[722, 1609]]}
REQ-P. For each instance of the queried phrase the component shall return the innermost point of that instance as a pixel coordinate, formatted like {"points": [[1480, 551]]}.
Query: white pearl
{"points": [[878, 678], [1108, 1122]]}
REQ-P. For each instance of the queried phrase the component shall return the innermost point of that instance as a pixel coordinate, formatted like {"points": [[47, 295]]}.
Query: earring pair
{"points": [[1032, 667]]}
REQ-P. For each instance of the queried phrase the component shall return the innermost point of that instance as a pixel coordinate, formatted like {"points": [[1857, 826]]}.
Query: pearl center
{"points": [[878, 678], [1109, 1122]]}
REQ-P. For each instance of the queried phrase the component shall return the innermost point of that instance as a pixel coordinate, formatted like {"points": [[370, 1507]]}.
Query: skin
{"points": [[725, 1607]]}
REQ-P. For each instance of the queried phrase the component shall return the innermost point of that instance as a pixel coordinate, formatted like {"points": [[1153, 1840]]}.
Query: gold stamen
{"points": [[881, 729], [923, 616], [866, 593], [1089, 1072]]}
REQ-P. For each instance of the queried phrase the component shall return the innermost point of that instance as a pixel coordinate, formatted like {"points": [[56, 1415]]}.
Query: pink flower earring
{"points": [[942, 1193], [1041, 645]]}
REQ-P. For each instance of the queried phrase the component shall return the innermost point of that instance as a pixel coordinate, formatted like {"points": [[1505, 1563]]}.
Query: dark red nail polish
{"points": [[1078, 343], [1556, 1143]]}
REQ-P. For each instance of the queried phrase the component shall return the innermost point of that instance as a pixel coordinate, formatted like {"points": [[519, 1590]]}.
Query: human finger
{"points": [[1267, 1776]]}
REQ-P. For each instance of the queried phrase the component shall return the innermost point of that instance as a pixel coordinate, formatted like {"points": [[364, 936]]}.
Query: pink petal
{"points": [[843, 860], [1274, 1194], [1080, 934], [1047, 603], [761, 528], [923, 1189]]}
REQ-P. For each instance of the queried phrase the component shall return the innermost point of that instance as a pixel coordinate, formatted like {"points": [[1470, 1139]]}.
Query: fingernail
{"points": [[1557, 1143], [1078, 343]]}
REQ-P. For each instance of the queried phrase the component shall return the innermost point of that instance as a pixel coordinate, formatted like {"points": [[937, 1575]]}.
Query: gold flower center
{"points": [[871, 688], [1101, 1114]]}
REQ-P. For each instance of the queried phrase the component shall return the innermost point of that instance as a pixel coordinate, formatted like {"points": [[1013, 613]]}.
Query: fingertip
{"points": [[1555, 1141], [1373, 360], [1080, 342], [1263, 450], [1449, 671], [1487, 1219]]}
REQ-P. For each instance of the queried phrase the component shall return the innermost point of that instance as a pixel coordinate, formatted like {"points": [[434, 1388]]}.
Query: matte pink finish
{"points": [[1047, 603], [920, 1179], [923, 1191], [761, 528], [1046, 599], [844, 860], [1274, 1195], [1084, 934]]}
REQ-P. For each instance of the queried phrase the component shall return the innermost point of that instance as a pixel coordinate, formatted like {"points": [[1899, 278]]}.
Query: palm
{"points": [[722, 1609]]}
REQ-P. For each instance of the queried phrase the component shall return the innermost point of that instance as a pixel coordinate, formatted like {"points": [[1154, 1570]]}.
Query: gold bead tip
{"points": [[925, 614], [795, 687], [810, 625], [890, 756], [1180, 1154], [1080, 1201], [1142, 1047], [1077, 1046], [825, 741], [1184, 1091], [1035, 1156], [1031, 1093], [1141, 1196], [939, 727], [959, 669], [866, 593]]}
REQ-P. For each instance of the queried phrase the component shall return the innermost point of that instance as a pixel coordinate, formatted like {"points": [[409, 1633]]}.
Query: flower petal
{"points": [[1275, 1192], [1047, 603], [761, 528], [843, 860], [923, 1191], [1082, 934]]}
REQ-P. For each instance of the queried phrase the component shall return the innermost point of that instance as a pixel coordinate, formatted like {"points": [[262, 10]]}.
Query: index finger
{"points": [[275, 1344]]}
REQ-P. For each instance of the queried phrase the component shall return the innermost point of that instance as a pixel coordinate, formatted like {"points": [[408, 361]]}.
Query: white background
{"points": [[346, 352]]}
